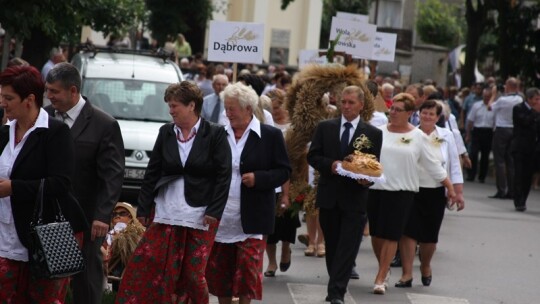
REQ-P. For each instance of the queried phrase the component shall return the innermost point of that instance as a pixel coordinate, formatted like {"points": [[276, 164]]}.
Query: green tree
{"points": [[518, 40], [42, 24], [169, 18], [476, 16], [437, 23]]}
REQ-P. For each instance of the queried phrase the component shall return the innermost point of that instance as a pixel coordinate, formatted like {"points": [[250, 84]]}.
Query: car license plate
{"points": [[134, 173]]}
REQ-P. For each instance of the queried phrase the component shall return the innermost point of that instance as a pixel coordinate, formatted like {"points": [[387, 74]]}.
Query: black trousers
{"points": [[524, 168], [481, 143], [343, 231]]}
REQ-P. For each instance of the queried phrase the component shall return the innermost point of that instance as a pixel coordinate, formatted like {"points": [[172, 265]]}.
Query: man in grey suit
{"points": [[212, 105], [99, 170]]}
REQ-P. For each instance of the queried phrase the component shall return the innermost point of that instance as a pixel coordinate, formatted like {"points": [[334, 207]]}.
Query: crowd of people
{"points": [[239, 162]]}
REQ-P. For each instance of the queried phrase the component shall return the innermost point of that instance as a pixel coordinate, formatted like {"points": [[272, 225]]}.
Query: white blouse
{"points": [[401, 153], [10, 245], [230, 227], [171, 205], [441, 141]]}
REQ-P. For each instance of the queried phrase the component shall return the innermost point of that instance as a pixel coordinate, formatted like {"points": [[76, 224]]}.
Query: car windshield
{"points": [[128, 99]]}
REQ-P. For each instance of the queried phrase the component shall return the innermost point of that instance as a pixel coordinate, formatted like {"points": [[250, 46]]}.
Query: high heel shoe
{"points": [[310, 251], [426, 281], [404, 284], [379, 289], [321, 250], [285, 266]]}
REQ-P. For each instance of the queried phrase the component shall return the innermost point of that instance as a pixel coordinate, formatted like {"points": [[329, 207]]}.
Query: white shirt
{"points": [[10, 245], [502, 109], [72, 113], [230, 227], [481, 116], [378, 119], [171, 205], [441, 141], [223, 120], [401, 153]]}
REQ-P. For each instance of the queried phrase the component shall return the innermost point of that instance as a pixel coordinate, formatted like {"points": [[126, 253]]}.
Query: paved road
{"points": [[487, 253]]}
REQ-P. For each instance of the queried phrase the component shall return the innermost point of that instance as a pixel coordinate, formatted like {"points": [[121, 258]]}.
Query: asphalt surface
{"points": [[487, 253]]}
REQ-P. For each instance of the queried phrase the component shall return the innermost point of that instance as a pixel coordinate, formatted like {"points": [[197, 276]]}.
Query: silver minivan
{"points": [[129, 85]]}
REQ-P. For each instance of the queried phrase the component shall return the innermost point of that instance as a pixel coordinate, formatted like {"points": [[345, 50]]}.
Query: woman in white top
{"points": [[404, 149], [186, 183], [427, 212], [260, 164]]}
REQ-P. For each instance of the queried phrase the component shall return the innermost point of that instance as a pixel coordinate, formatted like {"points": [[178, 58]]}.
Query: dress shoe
{"points": [[426, 281], [354, 274], [327, 299], [304, 239], [404, 284], [337, 301], [396, 262], [497, 195], [379, 289], [521, 208]]}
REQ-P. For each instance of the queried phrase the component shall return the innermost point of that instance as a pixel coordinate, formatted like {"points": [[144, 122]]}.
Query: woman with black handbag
{"points": [[34, 147]]}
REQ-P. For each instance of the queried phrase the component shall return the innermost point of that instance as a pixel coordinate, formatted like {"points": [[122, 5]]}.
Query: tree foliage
{"points": [[169, 18], [43, 24], [437, 23], [63, 20]]}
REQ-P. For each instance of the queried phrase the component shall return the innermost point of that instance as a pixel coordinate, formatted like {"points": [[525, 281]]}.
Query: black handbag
{"points": [[54, 251]]}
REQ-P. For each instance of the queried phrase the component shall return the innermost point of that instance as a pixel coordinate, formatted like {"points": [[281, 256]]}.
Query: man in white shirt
{"points": [[502, 137], [212, 104], [480, 123]]}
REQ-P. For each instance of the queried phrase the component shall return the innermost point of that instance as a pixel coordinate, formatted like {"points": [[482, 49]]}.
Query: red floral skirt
{"points": [[236, 269], [168, 266], [18, 286]]}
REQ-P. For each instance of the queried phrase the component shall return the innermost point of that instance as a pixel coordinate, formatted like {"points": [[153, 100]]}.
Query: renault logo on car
{"points": [[139, 155]]}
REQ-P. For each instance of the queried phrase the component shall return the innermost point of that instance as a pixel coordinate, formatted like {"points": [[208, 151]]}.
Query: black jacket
{"points": [[207, 172], [47, 153]]}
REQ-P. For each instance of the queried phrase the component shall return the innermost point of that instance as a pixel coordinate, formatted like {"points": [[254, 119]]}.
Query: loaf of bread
{"points": [[362, 163]]}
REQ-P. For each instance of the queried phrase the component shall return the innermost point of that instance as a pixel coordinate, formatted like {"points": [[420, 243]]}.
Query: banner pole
{"points": [[235, 72]]}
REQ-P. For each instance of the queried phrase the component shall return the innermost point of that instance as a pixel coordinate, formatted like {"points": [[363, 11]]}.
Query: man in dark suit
{"points": [[342, 201], [526, 119], [99, 170]]}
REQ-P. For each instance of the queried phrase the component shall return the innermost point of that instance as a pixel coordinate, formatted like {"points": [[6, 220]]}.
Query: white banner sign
{"points": [[384, 48], [353, 17], [310, 57], [356, 38], [236, 42]]}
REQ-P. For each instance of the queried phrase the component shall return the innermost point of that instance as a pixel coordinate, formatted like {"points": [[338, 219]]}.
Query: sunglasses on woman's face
{"points": [[120, 213]]}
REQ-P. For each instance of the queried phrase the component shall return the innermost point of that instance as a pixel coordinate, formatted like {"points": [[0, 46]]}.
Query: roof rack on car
{"points": [[88, 47]]}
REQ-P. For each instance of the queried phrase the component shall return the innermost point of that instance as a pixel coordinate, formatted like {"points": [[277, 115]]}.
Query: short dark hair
{"points": [[256, 82], [531, 92], [430, 104], [24, 80], [67, 74], [185, 92]]}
